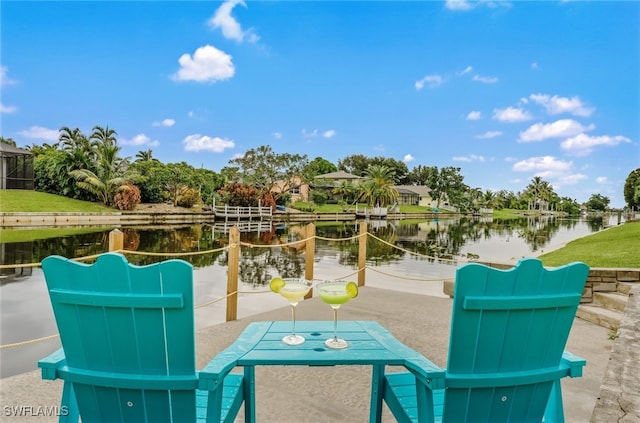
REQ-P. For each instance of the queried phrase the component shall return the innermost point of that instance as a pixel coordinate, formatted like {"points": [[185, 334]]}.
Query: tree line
{"points": [[90, 167]]}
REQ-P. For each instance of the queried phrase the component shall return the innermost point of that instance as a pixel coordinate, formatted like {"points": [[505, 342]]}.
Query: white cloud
{"points": [[229, 26], [488, 135], [544, 165], [7, 109], [511, 114], [329, 134], [470, 158], [569, 179], [557, 129], [40, 132], [485, 79], [535, 65], [556, 105], [208, 64], [165, 122], [466, 70], [408, 158], [465, 5], [311, 134], [474, 115], [431, 81], [458, 5], [140, 140], [4, 77], [510, 159], [197, 142], [583, 144], [602, 179], [277, 135]]}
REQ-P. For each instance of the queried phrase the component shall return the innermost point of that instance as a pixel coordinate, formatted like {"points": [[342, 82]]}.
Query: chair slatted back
{"points": [[128, 336], [508, 332]]}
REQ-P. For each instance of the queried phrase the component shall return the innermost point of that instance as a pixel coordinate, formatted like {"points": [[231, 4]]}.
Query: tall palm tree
{"points": [[378, 189], [540, 190], [145, 156]]}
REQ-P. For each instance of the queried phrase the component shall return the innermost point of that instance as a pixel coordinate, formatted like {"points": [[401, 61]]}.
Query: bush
{"points": [[127, 197], [319, 197], [188, 198]]}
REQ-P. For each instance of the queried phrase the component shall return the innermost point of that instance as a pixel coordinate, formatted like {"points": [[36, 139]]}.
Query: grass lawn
{"points": [[15, 200], [615, 247]]}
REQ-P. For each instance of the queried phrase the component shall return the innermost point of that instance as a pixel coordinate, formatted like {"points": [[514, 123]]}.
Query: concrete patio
{"points": [[341, 394]]}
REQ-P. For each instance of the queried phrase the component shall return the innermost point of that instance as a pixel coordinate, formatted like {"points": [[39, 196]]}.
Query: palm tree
{"points": [[378, 189], [346, 190], [104, 189], [80, 151], [145, 156], [540, 190]]}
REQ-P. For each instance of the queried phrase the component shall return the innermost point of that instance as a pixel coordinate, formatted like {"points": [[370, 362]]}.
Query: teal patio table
{"points": [[260, 344]]}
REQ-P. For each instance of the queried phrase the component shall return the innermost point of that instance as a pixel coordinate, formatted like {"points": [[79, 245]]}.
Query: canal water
{"points": [[411, 255]]}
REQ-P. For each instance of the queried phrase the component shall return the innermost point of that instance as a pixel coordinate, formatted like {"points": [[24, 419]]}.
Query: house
{"points": [[334, 179], [16, 167], [297, 188], [415, 195]]}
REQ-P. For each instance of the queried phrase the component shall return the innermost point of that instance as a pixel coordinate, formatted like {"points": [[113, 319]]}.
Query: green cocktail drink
{"points": [[336, 293]]}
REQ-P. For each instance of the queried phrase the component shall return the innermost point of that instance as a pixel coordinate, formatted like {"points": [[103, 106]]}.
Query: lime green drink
{"points": [[336, 293]]}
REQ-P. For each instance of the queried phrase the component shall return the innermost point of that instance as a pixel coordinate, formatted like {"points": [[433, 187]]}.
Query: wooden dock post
{"points": [[309, 254], [116, 240], [232, 274], [362, 252]]}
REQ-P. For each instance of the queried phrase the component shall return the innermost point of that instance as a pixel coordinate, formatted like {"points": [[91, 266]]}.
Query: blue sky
{"points": [[504, 90]]}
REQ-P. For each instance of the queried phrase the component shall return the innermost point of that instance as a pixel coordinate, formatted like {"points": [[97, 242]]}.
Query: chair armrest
{"points": [[422, 368], [426, 372], [51, 364], [573, 363], [211, 376]]}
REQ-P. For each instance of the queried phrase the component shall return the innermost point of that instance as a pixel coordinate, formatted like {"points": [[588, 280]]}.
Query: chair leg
{"points": [[554, 411], [69, 412]]}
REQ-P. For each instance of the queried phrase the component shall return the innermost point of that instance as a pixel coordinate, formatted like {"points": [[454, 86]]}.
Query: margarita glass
{"points": [[294, 290], [336, 293]]}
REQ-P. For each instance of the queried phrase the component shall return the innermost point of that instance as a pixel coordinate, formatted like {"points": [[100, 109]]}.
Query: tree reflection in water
{"points": [[430, 239]]}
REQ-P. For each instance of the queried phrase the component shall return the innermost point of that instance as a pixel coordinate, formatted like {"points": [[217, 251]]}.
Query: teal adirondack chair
{"points": [[128, 345], [506, 349]]}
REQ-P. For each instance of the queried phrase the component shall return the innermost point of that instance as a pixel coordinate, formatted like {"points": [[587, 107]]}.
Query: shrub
{"points": [[127, 197], [319, 197], [188, 198]]}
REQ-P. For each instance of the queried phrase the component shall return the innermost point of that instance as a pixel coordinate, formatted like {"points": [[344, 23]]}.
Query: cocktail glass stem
{"points": [[293, 319], [335, 324]]}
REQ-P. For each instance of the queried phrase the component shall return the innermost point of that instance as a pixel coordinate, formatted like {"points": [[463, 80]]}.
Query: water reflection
{"points": [[434, 239]]}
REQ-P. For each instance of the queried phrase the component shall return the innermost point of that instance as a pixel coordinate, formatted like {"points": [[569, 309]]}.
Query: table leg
{"points": [[377, 388], [250, 394]]}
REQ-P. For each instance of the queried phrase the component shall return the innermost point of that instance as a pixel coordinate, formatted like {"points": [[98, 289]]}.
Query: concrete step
{"points": [[625, 287], [606, 318], [610, 300]]}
